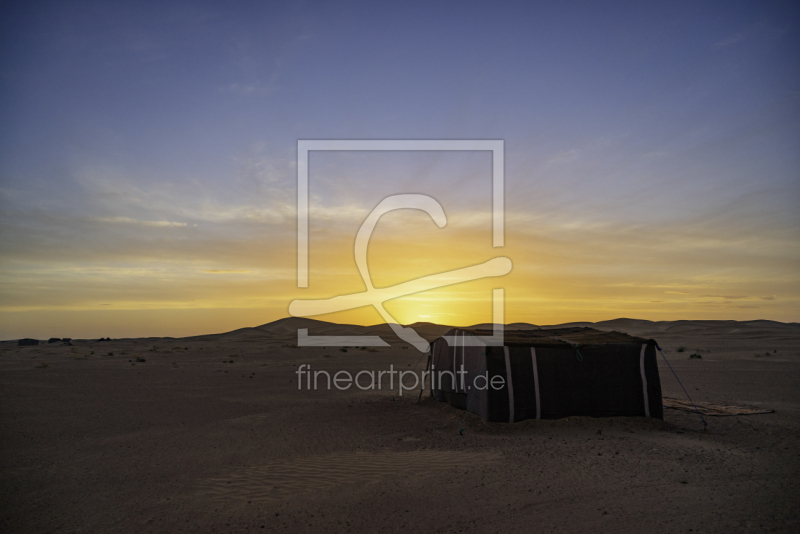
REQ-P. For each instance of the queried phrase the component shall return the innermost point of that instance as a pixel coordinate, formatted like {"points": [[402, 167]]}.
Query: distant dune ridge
{"points": [[286, 328]]}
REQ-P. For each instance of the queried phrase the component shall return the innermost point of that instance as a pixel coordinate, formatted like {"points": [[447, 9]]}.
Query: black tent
{"points": [[547, 374]]}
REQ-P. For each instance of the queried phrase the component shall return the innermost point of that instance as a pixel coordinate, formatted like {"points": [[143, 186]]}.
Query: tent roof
{"points": [[556, 337]]}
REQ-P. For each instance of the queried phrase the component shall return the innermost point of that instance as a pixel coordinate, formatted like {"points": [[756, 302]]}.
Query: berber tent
{"points": [[547, 374]]}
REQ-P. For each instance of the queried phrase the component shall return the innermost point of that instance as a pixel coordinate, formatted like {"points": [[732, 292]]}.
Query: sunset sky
{"points": [[148, 160]]}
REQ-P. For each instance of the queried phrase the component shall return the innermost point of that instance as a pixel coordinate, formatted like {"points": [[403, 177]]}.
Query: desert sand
{"points": [[211, 434]]}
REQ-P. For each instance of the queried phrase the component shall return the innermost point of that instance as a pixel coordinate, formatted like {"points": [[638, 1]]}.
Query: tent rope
{"points": [[578, 354], [420, 359], [472, 395], [705, 425]]}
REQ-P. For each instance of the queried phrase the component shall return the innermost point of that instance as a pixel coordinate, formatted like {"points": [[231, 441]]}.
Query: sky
{"points": [[148, 160]]}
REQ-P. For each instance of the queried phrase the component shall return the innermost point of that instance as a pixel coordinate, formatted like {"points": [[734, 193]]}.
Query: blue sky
{"points": [[148, 138]]}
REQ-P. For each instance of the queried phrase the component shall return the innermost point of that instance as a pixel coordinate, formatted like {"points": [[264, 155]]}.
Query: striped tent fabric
{"points": [[547, 374]]}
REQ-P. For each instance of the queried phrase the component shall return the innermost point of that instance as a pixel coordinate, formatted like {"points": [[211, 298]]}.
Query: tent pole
{"points": [[422, 386]]}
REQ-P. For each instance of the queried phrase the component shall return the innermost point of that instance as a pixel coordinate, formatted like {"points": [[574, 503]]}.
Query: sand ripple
{"points": [[278, 481]]}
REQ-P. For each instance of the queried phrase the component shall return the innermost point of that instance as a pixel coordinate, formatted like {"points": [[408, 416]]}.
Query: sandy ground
{"points": [[211, 434]]}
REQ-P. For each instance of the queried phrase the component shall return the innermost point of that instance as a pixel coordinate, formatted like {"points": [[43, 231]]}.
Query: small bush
{"points": [[142, 360], [695, 356], [681, 349], [343, 350]]}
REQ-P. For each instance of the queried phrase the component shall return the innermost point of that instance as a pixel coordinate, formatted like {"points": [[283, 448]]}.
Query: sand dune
{"points": [[285, 330], [700, 327], [211, 433]]}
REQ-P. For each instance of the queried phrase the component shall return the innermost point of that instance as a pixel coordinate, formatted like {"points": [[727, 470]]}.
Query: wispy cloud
{"points": [[245, 89], [562, 157], [728, 41], [128, 220]]}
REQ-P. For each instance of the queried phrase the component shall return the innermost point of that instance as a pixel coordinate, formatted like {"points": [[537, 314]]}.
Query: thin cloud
{"points": [[728, 41], [563, 157], [128, 220], [245, 89]]}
